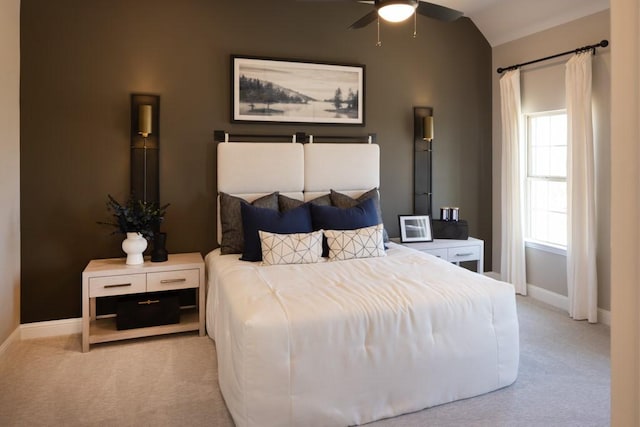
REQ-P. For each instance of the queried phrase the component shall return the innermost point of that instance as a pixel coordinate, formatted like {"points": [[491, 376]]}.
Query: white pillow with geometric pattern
{"points": [[296, 248], [364, 242]]}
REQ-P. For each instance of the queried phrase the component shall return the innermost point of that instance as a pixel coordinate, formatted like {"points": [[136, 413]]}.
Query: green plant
{"points": [[135, 216]]}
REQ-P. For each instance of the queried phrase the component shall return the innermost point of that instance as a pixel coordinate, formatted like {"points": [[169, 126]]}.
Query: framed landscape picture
{"points": [[415, 228], [289, 91]]}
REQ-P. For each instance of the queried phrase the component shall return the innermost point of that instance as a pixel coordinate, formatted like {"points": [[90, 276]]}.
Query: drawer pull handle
{"points": [[465, 254], [148, 302], [119, 285], [164, 282]]}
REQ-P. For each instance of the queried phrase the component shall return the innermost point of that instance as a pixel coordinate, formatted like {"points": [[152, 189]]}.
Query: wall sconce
{"points": [[145, 147], [145, 121], [422, 160], [427, 128]]}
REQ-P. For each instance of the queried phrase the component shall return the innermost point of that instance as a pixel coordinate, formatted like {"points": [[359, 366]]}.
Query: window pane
{"points": [[539, 161], [539, 225], [540, 131], [557, 161], [538, 196], [558, 129], [546, 186], [557, 197], [557, 232]]}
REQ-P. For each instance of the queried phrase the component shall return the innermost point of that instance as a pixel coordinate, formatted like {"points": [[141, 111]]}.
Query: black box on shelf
{"points": [[458, 230], [150, 309]]}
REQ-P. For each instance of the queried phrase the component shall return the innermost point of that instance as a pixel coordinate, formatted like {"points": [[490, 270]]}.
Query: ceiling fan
{"points": [[401, 10]]}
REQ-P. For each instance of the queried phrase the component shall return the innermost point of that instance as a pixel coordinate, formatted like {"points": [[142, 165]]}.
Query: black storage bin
{"points": [[458, 230], [150, 309]]}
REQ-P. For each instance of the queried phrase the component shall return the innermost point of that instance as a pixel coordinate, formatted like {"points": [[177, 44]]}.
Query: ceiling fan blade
{"points": [[365, 20], [438, 12]]}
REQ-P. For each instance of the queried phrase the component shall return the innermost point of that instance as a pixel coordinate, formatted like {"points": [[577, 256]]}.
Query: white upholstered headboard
{"points": [[302, 171]]}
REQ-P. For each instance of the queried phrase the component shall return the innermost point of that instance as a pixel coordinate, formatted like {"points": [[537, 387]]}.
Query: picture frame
{"points": [[271, 90], [415, 228]]}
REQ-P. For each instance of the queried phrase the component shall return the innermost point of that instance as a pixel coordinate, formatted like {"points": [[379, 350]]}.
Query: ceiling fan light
{"points": [[397, 12]]}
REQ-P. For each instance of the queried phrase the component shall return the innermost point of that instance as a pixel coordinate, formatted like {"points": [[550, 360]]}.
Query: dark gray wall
{"points": [[81, 60]]}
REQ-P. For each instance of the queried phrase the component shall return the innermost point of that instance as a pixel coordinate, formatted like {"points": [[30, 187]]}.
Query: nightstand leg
{"points": [[201, 304], [86, 320]]}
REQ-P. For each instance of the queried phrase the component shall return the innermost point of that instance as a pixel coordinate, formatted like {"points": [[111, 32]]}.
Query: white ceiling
{"points": [[501, 21]]}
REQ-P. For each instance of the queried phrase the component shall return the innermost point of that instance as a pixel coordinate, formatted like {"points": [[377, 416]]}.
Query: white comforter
{"points": [[348, 342]]}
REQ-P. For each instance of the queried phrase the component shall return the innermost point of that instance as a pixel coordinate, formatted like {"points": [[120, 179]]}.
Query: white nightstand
{"points": [[453, 250], [112, 277]]}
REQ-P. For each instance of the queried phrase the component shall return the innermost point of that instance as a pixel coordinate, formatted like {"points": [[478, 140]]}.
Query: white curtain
{"points": [[512, 261], [582, 279]]}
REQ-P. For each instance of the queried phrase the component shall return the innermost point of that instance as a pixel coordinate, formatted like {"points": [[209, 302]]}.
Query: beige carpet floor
{"points": [[172, 381]]}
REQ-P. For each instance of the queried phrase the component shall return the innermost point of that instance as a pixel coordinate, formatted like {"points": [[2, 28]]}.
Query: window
{"points": [[546, 198]]}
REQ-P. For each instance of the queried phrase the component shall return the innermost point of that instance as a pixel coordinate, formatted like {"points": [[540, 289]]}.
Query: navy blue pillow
{"points": [[334, 218], [297, 220]]}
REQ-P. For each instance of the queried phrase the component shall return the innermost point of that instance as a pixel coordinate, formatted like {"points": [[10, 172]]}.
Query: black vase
{"points": [[159, 252]]}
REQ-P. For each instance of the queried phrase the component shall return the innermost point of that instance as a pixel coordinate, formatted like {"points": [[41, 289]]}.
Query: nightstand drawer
{"points": [[466, 253], [117, 285], [440, 253], [178, 279]]}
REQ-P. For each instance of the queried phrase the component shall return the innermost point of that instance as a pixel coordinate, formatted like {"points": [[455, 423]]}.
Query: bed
{"points": [[347, 342]]}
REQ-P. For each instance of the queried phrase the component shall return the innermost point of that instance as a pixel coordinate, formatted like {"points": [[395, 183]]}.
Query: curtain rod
{"points": [[603, 43], [301, 137]]}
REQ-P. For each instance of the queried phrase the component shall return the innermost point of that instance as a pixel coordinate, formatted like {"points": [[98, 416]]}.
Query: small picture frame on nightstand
{"points": [[415, 228]]}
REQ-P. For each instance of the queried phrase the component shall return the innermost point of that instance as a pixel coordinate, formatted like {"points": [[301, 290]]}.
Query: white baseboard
{"points": [[604, 316], [12, 338], [52, 328], [548, 297], [554, 299]]}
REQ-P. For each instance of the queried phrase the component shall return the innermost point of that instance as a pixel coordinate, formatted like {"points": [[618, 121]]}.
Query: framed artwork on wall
{"points": [[415, 228], [270, 90]]}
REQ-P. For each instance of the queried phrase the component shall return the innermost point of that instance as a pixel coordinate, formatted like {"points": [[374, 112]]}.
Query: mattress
{"points": [[349, 342]]}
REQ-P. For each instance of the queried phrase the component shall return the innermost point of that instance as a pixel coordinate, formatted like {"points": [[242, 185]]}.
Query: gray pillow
{"points": [[287, 203], [343, 201], [232, 241]]}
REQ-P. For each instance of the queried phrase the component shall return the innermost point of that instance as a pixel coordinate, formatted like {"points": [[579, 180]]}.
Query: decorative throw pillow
{"points": [[296, 220], [287, 203], [334, 218], [343, 201], [361, 243], [232, 241], [297, 248]]}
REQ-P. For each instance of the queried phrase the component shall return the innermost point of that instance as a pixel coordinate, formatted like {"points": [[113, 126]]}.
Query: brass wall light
{"points": [[422, 160], [145, 147], [427, 128], [145, 121]]}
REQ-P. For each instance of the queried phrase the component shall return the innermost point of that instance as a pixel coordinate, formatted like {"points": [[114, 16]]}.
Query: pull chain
{"points": [[379, 43], [415, 24]]}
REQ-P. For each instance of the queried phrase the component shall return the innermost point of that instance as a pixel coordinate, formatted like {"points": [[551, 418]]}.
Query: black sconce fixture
{"points": [[145, 147], [422, 160]]}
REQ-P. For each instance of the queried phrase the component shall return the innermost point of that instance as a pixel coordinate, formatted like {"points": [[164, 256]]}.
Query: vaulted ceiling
{"points": [[504, 20]]}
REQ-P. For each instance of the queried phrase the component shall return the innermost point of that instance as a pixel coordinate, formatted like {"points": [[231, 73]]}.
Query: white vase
{"points": [[134, 245]]}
